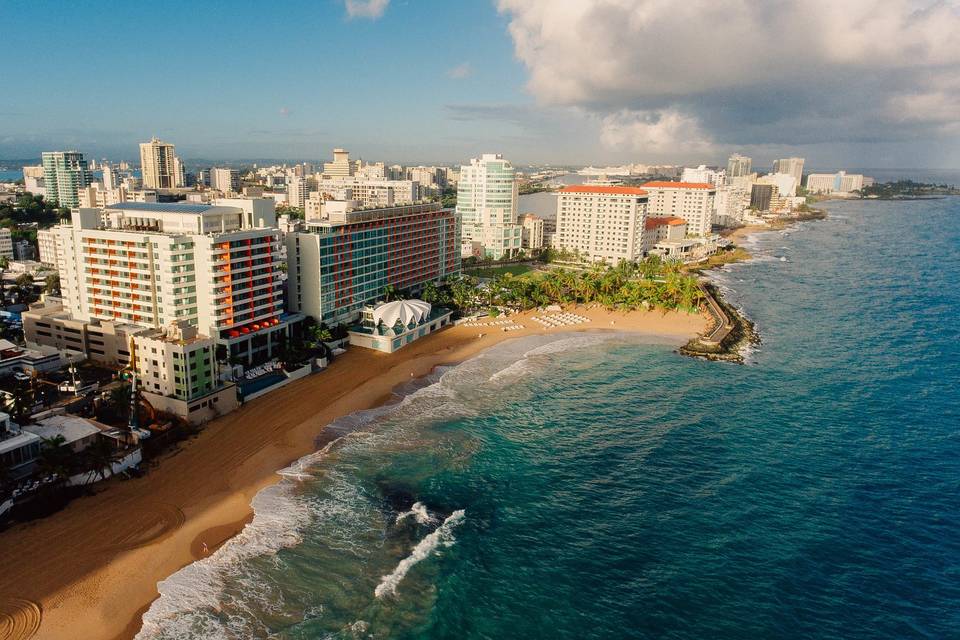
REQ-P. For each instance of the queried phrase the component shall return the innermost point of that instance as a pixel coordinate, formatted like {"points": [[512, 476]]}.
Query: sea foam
{"points": [[441, 536]]}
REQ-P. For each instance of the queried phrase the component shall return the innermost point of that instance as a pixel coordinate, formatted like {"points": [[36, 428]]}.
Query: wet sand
{"points": [[90, 571]]}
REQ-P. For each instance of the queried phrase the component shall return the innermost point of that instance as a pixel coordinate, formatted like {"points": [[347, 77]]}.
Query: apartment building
{"points": [[159, 165], [225, 180], [369, 192], [487, 194], [602, 222], [348, 259], [65, 173], [790, 166], [692, 201]]}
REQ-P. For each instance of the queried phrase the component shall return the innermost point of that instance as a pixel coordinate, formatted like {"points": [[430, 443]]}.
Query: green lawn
{"points": [[492, 272]]}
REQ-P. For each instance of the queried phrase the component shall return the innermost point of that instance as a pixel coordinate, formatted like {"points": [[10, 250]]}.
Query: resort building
{"points": [[65, 173], [177, 373], [839, 183], [602, 223], [692, 201], [785, 183], [738, 166], [159, 165], [390, 326], [487, 195], [346, 260], [6, 243], [215, 266]]}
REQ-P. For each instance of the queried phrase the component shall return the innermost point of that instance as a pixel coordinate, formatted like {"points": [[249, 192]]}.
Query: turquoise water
{"points": [[597, 487]]}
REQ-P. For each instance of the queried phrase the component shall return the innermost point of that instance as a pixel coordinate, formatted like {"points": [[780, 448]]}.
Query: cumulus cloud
{"points": [[730, 71], [371, 9], [460, 71]]}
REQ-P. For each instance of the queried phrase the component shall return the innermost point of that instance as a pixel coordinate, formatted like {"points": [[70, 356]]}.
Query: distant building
{"points": [[6, 243], [33, 180], [65, 173], [23, 250], [111, 177], [46, 247], [487, 194], [602, 223], [297, 192], [840, 182], [704, 174], [786, 183], [159, 165], [790, 166], [738, 165], [692, 201], [225, 180], [761, 195], [532, 231], [341, 166]]}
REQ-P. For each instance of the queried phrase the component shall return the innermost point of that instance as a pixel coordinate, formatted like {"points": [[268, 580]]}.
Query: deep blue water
{"points": [[599, 487]]}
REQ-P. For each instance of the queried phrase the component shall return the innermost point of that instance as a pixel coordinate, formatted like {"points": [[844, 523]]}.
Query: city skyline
{"points": [[872, 84]]}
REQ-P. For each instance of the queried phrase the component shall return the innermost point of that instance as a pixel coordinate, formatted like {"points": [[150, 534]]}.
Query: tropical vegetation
{"points": [[652, 283]]}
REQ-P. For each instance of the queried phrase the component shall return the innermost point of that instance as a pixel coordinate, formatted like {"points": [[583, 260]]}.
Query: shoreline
{"points": [[112, 548]]}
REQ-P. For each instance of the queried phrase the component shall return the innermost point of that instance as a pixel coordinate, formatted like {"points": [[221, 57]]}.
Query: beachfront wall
{"points": [[390, 342], [197, 410]]}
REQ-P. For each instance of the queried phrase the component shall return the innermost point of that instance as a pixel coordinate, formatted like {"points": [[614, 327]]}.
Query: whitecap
{"points": [[441, 536], [419, 513]]}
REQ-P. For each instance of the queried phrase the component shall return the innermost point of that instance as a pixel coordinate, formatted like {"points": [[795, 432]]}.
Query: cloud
{"points": [[773, 72], [371, 9], [460, 71]]}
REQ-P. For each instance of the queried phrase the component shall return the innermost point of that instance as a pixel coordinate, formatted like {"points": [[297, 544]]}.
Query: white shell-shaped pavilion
{"points": [[406, 311]]}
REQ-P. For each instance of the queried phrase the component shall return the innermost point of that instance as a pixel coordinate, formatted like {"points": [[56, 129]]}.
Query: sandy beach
{"points": [[91, 570]]}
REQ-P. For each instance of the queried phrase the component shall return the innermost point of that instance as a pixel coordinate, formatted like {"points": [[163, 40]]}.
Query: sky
{"points": [[859, 83]]}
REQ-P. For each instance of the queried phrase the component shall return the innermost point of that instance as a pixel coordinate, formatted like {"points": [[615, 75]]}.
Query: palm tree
{"points": [[99, 458], [55, 457], [389, 291], [21, 401]]}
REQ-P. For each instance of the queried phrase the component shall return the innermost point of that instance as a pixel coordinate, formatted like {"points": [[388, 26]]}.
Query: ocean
{"points": [[596, 486]]}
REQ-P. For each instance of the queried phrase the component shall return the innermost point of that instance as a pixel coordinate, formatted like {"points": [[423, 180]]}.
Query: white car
{"points": [[20, 376]]}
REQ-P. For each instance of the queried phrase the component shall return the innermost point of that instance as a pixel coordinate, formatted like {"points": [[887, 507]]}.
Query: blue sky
{"points": [[248, 79], [871, 83]]}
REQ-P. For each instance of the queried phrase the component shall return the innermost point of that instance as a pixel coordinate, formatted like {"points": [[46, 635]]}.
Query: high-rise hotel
{"points": [[349, 257], [602, 222], [215, 267]]}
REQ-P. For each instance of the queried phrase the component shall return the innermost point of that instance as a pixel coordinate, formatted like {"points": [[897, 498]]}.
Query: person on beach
{"points": [[206, 550]]}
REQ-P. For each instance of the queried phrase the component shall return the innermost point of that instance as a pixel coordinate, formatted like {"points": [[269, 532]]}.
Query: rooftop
{"points": [[623, 191], [72, 428], [162, 207], [663, 184], [669, 220]]}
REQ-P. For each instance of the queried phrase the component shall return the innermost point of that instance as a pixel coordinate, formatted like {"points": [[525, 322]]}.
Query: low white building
{"points": [[837, 183], [659, 230], [390, 326]]}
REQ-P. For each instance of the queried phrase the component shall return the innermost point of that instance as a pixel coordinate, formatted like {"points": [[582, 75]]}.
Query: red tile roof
{"points": [[653, 223], [678, 185], [586, 188]]}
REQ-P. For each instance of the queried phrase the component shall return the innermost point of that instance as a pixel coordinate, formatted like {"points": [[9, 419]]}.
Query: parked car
{"points": [[20, 376]]}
